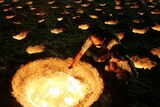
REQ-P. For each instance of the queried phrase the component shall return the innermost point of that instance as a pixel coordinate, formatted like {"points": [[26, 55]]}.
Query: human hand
{"points": [[70, 67], [70, 70], [118, 70], [101, 59]]}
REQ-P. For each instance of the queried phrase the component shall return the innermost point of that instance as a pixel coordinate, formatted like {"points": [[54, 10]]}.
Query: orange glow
{"points": [[64, 12], [51, 2], [29, 2], [47, 83], [85, 5], [78, 1], [60, 18], [59, 90], [40, 13], [120, 35], [15, 0], [40, 21], [143, 62], [118, 7], [5, 10], [57, 30], [21, 35], [98, 9], [1, 1], [35, 49], [117, 2], [103, 4], [156, 27], [111, 22], [10, 17], [155, 12], [19, 7], [93, 16], [68, 6], [156, 51], [139, 31], [80, 10], [83, 26]]}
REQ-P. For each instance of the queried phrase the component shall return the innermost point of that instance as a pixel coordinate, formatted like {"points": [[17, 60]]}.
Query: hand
{"points": [[118, 70], [101, 59], [70, 67]]}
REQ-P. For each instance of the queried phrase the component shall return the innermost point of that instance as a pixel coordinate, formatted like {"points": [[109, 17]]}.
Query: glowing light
{"points": [[60, 18], [143, 62], [54, 7], [68, 100], [137, 21], [19, 7], [120, 35], [68, 6], [57, 30], [29, 2], [156, 11], [118, 7], [135, 6], [139, 31], [35, 49], [93, 16], [103, 4], [98, 9], [156, 27], [85, 5], [58, 91], [83, 26], [21, 35], [156, 51], [10, 17], [5, 10], [42, 84], [78, 1], [40, 21], [40, 13], [111, 22], [64, 12], [141, 13], [15, 0], [80, 10], [1, 1], [18, 23], [74, 17], [32, 8], [51, 2], [90, 0]]}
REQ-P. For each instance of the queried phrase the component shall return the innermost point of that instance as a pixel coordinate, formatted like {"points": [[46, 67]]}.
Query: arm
{"points": [[103, 57], [77, 58], [112, 66], [84, 48], [133, 71]]}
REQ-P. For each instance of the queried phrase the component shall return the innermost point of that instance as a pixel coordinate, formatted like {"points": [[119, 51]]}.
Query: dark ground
{"points": [[143, 92]]}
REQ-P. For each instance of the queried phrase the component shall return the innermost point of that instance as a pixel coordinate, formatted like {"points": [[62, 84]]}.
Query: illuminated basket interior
{"points": [[48, 83]]}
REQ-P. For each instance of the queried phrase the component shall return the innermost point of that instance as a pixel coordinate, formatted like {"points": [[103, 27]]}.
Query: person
{"points": [[120, 64], [99, 45]]}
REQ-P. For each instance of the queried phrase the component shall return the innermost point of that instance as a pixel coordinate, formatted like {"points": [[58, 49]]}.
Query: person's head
{"points": [[118, 52], [97, 35]]}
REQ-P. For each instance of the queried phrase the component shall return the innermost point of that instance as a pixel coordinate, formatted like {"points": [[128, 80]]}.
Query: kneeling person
{"points": [[120, 64]]}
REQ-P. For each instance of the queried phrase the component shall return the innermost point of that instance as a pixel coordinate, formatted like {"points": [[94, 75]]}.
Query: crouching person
{"points": [[120, 65]]}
